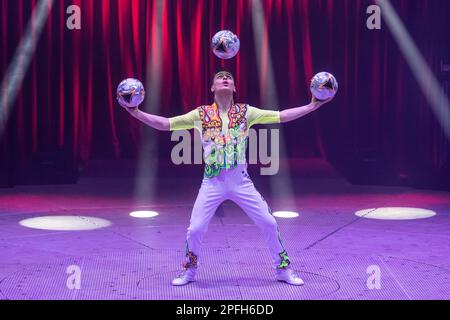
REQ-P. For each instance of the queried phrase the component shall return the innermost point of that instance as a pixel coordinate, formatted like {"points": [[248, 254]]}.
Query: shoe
{"points": [[288, 275], [186, 276]]}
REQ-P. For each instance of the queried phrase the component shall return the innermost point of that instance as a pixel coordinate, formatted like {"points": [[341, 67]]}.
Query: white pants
{"points": [[235, 185]]}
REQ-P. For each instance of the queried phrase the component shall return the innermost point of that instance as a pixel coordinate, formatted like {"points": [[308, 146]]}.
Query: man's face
{"points": [[223, 82]]}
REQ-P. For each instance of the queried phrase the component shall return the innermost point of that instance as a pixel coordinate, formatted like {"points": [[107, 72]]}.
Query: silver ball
{"points": [[130, 93], [225, 44], [324, 86]]}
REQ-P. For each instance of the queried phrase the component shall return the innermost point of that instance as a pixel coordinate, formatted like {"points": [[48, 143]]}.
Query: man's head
{"points": [[223, 83]]}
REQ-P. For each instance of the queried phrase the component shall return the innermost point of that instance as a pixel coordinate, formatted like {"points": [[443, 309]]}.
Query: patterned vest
{"points": [[223, 149]]}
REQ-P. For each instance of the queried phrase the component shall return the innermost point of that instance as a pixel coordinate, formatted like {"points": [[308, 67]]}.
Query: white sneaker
{"points": [[288, 275], [186, 276]]}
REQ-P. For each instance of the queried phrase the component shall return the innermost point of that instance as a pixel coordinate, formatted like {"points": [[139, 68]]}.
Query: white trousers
{"points": [[235, 185]]}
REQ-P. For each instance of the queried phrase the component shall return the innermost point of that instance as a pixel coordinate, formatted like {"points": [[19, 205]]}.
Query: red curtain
{"points": [[67, 101]]}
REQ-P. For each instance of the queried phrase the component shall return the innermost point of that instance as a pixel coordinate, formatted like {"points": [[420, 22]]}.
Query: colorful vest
{"points": [[224, 148]]}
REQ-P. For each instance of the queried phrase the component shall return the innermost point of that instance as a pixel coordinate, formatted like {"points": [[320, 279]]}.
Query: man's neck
{"points": [[223, 102]]}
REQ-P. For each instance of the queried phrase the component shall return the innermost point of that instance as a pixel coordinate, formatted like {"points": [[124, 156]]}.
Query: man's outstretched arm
{"points": [[298, 112], [156, 122]]}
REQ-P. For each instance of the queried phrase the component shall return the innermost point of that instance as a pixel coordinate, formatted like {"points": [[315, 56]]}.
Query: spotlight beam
{"points": [[281, 184], [264, 58], [145, 182], [427, 81], [12, 81]]}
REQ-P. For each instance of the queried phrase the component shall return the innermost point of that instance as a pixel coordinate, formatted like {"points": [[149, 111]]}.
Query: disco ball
{"points": [[324, 86], [225, 44], [130, 93]]}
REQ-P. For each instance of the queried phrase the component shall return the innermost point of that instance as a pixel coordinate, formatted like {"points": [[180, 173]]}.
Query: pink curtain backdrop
{"points": [[67, 101]]}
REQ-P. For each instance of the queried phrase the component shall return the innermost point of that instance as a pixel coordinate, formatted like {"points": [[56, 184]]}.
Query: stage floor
{"points": [[331, 248]]}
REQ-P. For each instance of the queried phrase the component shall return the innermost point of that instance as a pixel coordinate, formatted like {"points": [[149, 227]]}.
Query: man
{"points": [[224, 126]]}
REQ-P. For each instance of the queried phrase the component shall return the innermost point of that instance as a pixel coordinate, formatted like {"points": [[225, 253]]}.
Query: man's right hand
{"points": [[127, 108], [156, 122], [131, 110]]}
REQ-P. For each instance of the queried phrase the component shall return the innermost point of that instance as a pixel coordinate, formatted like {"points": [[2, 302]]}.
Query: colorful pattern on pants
{"points": [[234, 185], [285, 261], [191, 258]]}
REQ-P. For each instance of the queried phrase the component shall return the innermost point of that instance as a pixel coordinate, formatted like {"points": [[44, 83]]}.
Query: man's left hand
{"points": [[317, 103]]}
